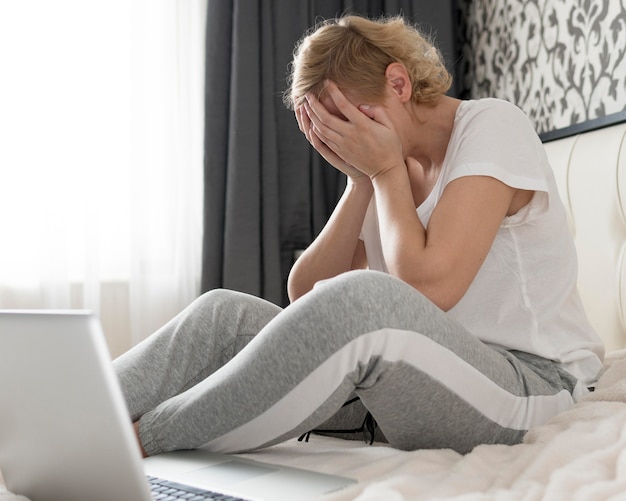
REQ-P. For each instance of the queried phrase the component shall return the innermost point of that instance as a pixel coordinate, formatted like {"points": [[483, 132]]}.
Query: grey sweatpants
{"points": [[233, 373]]}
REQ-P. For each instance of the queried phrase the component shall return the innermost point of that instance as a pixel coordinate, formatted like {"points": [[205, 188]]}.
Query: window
{"points": [[101, 158]]}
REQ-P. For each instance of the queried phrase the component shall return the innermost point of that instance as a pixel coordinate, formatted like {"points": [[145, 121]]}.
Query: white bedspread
{"points": [[579, 455]]}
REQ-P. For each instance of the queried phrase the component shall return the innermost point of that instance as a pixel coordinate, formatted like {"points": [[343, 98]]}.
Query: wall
{"points": [[562, 61]]}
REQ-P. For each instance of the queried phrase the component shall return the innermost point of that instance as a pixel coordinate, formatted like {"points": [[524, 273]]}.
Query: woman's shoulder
{"points": [[491, 106], [494, 137], [493, 116]]}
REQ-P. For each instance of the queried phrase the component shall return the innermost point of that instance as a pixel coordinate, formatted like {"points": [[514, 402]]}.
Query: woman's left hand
{"points": [[365, 138]]}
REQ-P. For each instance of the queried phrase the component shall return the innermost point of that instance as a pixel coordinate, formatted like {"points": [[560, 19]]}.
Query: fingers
{"points": [[307, 118], [368, 110], [308, 129], [304, 123], [344, 106], [303, 114], [312, 134], [323, 125], [298, 113], [412, 162]]}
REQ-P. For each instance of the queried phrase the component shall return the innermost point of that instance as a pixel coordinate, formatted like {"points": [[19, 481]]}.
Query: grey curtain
{"points": [[266, 192]]}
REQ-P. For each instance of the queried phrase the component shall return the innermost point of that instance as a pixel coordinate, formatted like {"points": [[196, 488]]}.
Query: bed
{"points": [[578, 455]]}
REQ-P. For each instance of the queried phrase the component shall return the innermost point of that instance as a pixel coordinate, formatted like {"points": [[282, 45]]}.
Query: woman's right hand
{"points": [[302, 116]]}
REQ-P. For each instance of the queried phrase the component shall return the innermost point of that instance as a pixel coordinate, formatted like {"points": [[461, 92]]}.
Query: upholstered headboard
{"points": [[590, 169]]}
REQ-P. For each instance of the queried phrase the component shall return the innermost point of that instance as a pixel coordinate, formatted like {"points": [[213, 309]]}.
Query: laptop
{"points": [[65, 433]]}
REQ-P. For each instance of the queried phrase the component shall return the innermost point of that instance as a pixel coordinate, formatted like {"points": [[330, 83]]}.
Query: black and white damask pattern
{"points": [[562, 61]]}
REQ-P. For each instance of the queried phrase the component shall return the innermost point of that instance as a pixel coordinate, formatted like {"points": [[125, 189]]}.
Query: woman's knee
{"points": [[225, 305], [220, 298], [216, 295], [357, 280], [366, 286], [376, 300]]}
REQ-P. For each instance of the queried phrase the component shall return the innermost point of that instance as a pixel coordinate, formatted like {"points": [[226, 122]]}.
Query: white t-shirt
{"points": [[524, 296]]}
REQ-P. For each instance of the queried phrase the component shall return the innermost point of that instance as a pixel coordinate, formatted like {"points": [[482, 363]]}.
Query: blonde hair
{"points": [[354, 52]]}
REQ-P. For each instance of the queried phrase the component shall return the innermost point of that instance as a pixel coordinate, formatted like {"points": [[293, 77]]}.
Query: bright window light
{"points": [[65, 137]]}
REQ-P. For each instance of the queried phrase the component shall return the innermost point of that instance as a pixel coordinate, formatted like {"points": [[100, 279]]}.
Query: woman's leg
{"points": [[190, 347], [427, 381]]}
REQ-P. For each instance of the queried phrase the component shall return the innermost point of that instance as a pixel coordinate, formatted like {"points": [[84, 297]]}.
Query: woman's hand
{"points": [[362, 137], [304, 122]]}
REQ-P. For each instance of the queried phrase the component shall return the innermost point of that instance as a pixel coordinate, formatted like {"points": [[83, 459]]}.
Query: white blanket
{"points": [[579, 455]]}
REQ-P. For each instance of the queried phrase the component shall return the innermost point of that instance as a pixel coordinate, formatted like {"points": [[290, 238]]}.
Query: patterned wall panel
{"points": [[562, 61]]}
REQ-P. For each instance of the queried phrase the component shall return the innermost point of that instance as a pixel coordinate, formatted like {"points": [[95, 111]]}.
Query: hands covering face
{"points": [[359, 141]]}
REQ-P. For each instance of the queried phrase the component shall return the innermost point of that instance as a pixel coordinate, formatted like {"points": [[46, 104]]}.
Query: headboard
{"points": [[590, 169]]}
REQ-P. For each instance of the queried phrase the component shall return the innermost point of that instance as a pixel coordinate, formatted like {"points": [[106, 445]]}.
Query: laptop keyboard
{"points": [[165, 490]]}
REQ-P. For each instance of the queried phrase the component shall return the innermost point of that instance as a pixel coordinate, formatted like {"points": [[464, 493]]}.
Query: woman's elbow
{"points": [[440, 298], [294, 292], [297, 284], [442, 289]]}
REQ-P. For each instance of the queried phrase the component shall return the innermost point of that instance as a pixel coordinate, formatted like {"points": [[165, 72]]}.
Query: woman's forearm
{"points": [[333, 250], [402, 234]]}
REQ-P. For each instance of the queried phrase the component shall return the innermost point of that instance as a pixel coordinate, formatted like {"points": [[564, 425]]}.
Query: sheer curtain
{"points": [[101, 159]]}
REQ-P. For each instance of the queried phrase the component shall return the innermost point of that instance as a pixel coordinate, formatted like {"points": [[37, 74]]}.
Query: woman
{"points": [[466, 328]]}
